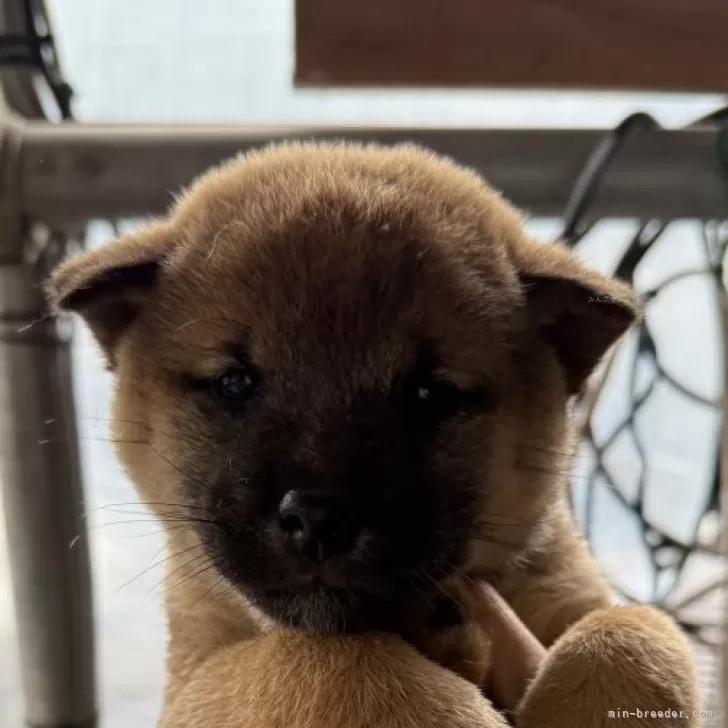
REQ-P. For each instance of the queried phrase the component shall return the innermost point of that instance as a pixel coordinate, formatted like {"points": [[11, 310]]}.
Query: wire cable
{"points": [[35, 49], [589, 181]]}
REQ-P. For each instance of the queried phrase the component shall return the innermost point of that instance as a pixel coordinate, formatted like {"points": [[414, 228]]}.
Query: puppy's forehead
{"points": [[327, 258]]}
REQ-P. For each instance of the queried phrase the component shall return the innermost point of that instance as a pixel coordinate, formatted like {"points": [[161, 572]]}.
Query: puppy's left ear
{"points": [[109, 286], [579, 312]]}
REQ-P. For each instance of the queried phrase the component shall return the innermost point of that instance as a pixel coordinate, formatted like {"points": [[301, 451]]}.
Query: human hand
{"points": [[516, 653]]}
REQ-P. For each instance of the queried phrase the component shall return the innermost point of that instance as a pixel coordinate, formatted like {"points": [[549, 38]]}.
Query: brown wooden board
{"points": [[669, 45]]}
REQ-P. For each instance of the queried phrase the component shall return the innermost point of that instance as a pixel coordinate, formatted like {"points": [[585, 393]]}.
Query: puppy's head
{"points": [[343, 372]]}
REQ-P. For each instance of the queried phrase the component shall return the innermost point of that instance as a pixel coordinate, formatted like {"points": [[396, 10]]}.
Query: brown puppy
{"points": [[343, 377]]}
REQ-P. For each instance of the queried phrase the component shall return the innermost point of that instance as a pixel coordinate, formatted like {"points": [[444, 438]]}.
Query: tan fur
{"points": [[259, 241]]}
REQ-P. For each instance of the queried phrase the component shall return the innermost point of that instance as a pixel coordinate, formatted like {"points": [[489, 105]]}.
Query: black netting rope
{"points": [[669, 556]]}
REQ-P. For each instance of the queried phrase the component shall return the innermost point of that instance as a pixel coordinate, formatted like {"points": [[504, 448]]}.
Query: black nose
{"points": [[317, 524]]}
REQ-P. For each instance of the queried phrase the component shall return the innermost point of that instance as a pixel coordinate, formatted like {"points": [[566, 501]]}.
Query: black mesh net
{"points": [[647, 484]]}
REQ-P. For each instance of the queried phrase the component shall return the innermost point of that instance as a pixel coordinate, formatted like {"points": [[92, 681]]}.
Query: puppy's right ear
{"points": [[108, 286]]}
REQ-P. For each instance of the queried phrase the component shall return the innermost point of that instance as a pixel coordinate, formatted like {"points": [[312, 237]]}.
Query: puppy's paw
{"points": [[628, 663], [289, 680]]}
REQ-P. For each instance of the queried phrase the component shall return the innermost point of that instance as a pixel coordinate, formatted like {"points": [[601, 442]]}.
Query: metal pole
{"points": [[80, 171], [41, 487], [721, 699]]}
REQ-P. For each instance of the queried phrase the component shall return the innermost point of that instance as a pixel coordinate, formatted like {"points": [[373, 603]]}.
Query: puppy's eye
{"points": [[428, 392], [234, 387], [434, 399]]}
